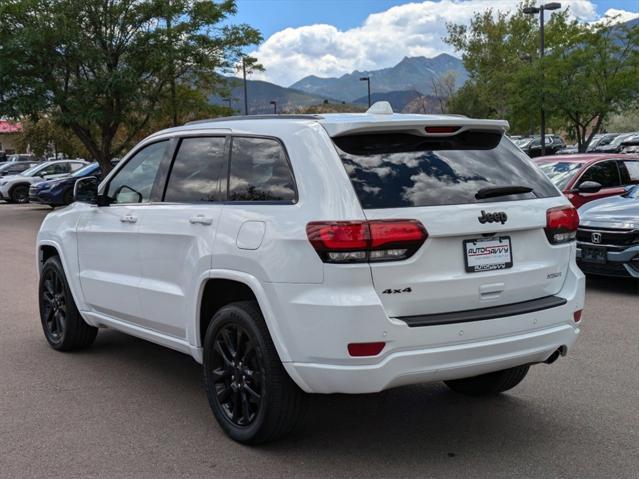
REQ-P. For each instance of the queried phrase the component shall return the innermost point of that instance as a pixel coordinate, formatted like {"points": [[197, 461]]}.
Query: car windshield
{"points": [[521, 142], [560, 172], [633, 193], [85, 170]]}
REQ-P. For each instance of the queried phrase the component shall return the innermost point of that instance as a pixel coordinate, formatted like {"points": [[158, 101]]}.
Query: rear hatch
{"points": [[484, 207]]}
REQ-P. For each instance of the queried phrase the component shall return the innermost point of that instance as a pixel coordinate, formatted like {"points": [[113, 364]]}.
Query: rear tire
{"points": [[251, 395], [489, 384], [62, 324], [20, 194]]}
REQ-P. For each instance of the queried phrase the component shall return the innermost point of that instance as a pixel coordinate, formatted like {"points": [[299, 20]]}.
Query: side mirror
{"points": [[588, 187], [86, 190]]}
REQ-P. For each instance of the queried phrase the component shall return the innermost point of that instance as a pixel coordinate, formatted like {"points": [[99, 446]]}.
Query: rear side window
{"points": [[403, 170], [260, 171], [629, 172], [605, 173], [197, 171]]}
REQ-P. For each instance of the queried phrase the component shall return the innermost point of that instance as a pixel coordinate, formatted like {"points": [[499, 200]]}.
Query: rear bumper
{"points": [[435, 364], [423, 354]]}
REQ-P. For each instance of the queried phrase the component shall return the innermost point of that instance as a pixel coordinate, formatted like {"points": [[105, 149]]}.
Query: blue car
{"points": [[59, 191]]}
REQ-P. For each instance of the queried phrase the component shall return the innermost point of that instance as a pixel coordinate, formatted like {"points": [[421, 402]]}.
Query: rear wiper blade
{"points": [[493, 191]]}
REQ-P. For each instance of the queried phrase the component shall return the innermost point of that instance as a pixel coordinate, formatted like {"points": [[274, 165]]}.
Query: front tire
{"points": [[20, 194], [251, 395], [489, 384], [62, 324]]}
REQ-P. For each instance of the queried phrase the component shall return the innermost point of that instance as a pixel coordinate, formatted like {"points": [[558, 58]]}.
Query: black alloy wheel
{"points": [[251, 395], [63, 326], [54, 305], [237, 374]]}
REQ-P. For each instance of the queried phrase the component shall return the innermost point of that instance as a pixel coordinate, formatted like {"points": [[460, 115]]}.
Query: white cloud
{"points": [[383, 39], [618, 16]]}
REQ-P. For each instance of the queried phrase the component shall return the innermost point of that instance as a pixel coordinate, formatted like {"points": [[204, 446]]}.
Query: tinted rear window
{"points": [[402, 170], [260, 171]]}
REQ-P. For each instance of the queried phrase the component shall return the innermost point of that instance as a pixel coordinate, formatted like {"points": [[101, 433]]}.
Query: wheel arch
{"points": [[47, 248], [235, 286]]}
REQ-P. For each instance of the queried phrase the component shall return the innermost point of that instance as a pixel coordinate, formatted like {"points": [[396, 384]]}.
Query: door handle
{"points": [[200, 220], [129, 219]]}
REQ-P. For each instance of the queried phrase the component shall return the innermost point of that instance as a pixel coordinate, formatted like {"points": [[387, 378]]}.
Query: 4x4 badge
{"points": [[498, 217]]}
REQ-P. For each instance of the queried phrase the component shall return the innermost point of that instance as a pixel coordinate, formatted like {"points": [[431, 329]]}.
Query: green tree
{"points": [[45, 137], [588, 73], [591, 73], [109, 69], [494, 46]]}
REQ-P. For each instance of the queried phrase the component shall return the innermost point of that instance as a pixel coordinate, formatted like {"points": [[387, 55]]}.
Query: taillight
{"points": [[365, 349], [561, 224], [362, 241]]}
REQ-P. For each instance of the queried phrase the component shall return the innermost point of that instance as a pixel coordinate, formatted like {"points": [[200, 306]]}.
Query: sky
{"points": [[334, 37]]}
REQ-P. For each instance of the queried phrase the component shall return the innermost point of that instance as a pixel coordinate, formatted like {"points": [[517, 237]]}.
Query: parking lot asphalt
{"points": [[128, 408]]}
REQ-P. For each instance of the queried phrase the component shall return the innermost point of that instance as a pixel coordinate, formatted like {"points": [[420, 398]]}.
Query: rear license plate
{"points": [[593, 254], [487, 254]]}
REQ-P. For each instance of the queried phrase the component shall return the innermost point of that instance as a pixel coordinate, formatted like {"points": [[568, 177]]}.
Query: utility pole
{"points": [[245, 94], [368, 81], [540, 11]]}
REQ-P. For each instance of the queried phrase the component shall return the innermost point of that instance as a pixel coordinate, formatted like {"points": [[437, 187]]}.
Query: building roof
{"points": [[10, 126]]}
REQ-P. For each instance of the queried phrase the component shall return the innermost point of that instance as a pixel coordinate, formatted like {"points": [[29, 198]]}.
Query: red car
{"points": [[587, 177]]}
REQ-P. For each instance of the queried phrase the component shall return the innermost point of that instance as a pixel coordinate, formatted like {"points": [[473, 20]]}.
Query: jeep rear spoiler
{"points": [[421, 125]]}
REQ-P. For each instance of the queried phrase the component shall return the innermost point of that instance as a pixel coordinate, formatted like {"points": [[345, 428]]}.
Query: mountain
{"points": [[397, 99], [427, 104], [412, 73], [261, 93]]}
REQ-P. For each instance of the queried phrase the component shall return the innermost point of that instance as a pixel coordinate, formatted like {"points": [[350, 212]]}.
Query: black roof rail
{"points": [[257, 117]]}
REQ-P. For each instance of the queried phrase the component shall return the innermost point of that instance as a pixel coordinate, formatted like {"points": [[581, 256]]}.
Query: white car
{"points": [[15, 189], [342, 253]]}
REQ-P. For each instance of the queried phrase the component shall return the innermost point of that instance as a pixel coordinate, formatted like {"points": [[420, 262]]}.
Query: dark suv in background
{"points": [[532, 145]]}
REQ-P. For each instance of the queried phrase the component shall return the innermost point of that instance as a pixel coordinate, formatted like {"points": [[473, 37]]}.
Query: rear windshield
{"points": [[400, 170]]}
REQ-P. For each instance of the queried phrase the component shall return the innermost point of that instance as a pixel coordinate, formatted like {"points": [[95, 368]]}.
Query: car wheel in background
{"points": [[20, 194], [491, 383], [63, 326]]}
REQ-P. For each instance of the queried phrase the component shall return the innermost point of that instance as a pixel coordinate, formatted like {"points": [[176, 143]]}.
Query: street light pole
{"points": [[532, 11], [274, 103], [245, 94], [368, 81]]}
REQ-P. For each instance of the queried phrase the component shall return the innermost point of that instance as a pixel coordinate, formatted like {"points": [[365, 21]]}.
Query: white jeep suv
{"points": [[346, 253]]}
